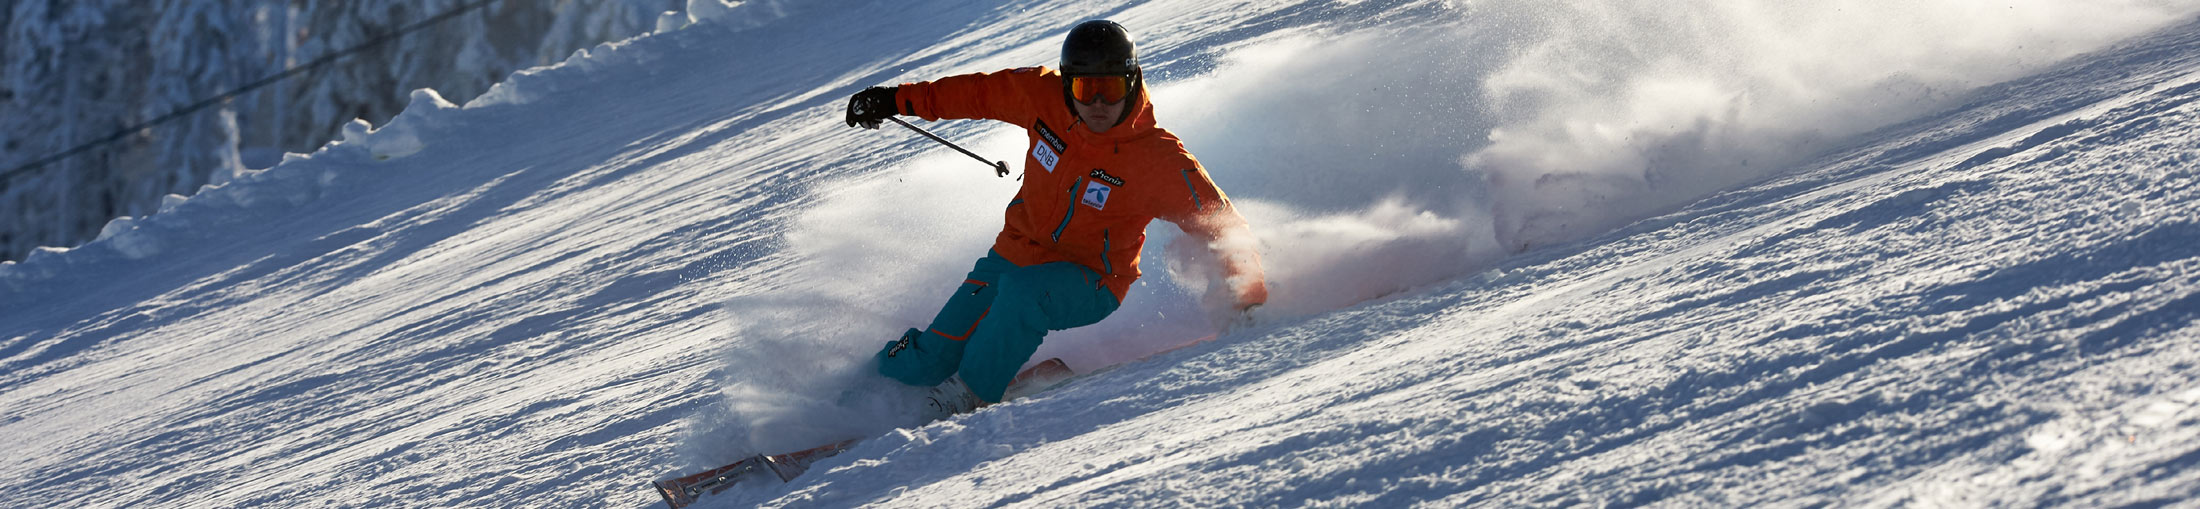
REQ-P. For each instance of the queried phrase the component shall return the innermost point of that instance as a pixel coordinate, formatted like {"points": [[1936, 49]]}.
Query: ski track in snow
{"points": [[1991, 305]]}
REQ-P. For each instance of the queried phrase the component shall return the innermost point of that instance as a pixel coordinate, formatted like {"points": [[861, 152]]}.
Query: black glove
{"points": [[871, 106]]}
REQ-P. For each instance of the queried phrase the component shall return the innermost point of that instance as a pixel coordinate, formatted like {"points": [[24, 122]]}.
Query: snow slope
{"points": [[667, 253]]}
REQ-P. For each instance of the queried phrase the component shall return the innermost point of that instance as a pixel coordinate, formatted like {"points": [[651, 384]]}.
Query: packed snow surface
{"points": [[1522, 253]]}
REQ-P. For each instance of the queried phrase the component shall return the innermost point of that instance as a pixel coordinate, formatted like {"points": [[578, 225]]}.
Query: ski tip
{"points": [[674, 497]]}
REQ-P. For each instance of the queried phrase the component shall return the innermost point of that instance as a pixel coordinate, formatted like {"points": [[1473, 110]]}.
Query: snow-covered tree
{"points": [[73, 77], [207, 50]]}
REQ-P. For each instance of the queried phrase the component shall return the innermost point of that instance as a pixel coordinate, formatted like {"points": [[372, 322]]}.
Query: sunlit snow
{"points": [[1521, 253]]}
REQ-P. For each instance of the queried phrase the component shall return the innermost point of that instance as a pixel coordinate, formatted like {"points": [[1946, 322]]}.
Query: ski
{"points": [[680, 492], [1037, 378]]}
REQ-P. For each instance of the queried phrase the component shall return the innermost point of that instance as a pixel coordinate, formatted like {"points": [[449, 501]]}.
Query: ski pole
{"points": [[999, 167]]}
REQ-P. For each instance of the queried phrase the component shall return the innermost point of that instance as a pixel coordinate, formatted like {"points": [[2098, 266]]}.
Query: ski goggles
{"points": [[1109, 89]]}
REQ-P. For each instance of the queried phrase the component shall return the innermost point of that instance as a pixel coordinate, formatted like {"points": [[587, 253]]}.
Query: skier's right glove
{"points": [[871, 106], [1243, 320]]}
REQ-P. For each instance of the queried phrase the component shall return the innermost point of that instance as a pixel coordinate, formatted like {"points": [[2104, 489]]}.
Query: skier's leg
{"points": [[1032, 300], [926, 357]]}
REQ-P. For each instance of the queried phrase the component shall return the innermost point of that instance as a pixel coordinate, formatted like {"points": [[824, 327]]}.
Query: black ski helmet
{"points": [[1101, 48]]}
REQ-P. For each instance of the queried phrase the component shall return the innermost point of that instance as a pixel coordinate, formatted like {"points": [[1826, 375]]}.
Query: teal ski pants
{"points": [[995, 322]]}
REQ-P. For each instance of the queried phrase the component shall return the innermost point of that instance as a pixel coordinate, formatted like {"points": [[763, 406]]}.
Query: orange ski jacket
{"points": [[1086, 198]]}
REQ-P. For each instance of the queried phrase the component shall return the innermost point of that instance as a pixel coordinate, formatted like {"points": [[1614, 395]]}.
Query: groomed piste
{"points": [[1855, 253]]}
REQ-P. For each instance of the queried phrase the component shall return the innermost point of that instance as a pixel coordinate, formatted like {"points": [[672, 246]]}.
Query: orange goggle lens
{"points": [[1109, 89]]}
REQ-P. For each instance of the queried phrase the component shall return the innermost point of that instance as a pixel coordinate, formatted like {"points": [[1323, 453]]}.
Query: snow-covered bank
{"points": [[671, 253]]}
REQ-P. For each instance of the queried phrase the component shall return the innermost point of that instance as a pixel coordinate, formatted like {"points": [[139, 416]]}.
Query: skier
{"points": [[1098, 171]]}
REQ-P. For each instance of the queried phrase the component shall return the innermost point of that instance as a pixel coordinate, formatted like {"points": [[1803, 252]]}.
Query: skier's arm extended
{"points": [[1002, 95], [1206, 214]]}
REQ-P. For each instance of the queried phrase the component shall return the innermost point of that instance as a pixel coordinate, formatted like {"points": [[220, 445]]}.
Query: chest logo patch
{"points": [[1048, 149], [1103, 176], [1047, 158], [1096, 194]]}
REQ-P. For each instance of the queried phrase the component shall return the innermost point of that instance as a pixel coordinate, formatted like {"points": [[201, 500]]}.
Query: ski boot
{"points": [[950, 398]]}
